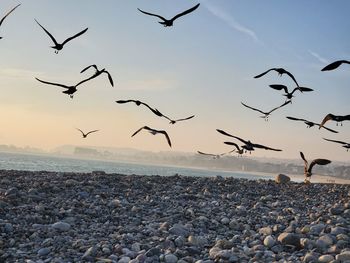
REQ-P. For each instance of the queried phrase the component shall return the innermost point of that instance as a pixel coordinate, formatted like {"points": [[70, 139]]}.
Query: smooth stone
{"points": [[265, 231], [170, 258], [269, 241], [43, 251], [317, 229], [179, 230], [124, 260], [337, 210], [344, 256], [91, 251], [61, 226], [155, 251], [327, 239], [289, 239], [325, 258], [338, 230], [8, 228], [282, 179], [180, 241], [310, 257], [197, 241]]}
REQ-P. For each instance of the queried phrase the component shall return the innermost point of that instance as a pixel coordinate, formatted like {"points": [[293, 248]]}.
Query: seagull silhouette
{"points": [[154, 132], [170, 22], [308, 168], [310, 124], [86, 134], [335, 65], [215, 156], [57, 45], [9, 12], [138, 103], [289, 95], [346, 145], [266, 114], [280, 72], [336, 118], [70, 90], [248, 145], [98, 73], [174, 121], [240, 151]]}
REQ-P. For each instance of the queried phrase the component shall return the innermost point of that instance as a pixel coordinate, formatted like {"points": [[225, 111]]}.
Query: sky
{"points": [[204, 65]]}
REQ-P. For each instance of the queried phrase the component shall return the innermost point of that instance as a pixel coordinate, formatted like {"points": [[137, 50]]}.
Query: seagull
{"points": [[170, 22], [308, 168], [336, 118], [174, 121], [346, 145], [9, 12], [280, 71], [267, 114], [248, 145], [86, 134], [310, 123], [57, 45], [215, 156], [138, 103], [289, 95], [154, 132], [70, 90], [335, 64], [240, 151], [99, 72]]}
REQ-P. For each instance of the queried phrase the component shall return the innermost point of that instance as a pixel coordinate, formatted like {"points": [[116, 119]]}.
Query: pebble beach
{"points": [[99, 217]]}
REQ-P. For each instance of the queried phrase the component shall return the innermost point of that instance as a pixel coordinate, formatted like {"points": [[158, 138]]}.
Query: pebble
{"points": [[61, 226]]}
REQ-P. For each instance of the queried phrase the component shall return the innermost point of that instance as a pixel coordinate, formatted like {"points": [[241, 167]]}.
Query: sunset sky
{"points": [[203, 65]]}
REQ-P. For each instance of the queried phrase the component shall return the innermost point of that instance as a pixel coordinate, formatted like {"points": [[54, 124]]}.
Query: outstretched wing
{"points": [[292, 77], [284, 104], [51, 83], [227, 134], [91, 132], [186, 12], [109, 78], [279, 87], [89, 67], [334, 141], [319, 162], [296, 119], [302, 89], [328, 129], [233, 144], [255, 145], [325, 119], [47, 32], [76, 35], [150, 14], [334, 65], [144, 127], [124, 101], [155, 111], [210, 154], [184, 119], [304, 159], [9, 12], [245, 105], [166, 136], [262, 74], [82, 133]]}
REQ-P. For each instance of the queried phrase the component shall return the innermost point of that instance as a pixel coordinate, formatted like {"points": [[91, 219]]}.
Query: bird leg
{"points": [[71, 96]]}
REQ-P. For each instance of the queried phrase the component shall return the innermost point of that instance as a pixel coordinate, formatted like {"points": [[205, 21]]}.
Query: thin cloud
{"points": [[230, 21], [318, 57]]}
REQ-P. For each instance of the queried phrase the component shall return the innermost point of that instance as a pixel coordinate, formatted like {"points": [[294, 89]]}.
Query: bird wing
{"points": [[76, 35], [144, 127], [279, 87], [9, 12], [325, 119], [334, 141], [284, 104], [109, 78], [91, 132], [152, 14], [304, 159], [186, 12], [334, 65], [206, 153], [245, 105], [302, 89], [186, 118], [255, 145], [345, 118], [295, 119], [47, 32], [328, 129], [166, 136], [81, 131], [234, 144], [155, 111], [84, 80], [262, 74], [51, 83], [292, 77], [319, 162], [227, 134], [89, 67]]}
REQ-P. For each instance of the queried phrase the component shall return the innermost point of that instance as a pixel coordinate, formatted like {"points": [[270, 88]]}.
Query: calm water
{"points": [[15, 161]]}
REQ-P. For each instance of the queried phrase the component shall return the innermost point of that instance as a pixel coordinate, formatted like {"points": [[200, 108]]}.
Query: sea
{"points": [[34, 162]]}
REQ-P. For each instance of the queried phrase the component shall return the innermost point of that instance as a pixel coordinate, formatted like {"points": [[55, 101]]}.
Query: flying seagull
{"points": [[308, 168], [170, 22], [70, 90], [215, 156], [310, 124], [138, 103], [248, 145], [268, 113], [239, 150], [280, 72], [86, 134], [57, 45], [174, 121], [289, 95], [335, 65], [346, 145], [98, 73], [9, 12], [336, 118], [154, 132]]}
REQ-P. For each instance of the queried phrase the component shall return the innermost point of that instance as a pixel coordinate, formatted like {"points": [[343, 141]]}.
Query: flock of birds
{"points": [[247, 145]]}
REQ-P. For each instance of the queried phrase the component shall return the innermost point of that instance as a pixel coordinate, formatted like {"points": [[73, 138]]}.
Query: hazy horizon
{"points": [[203, 65]]}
